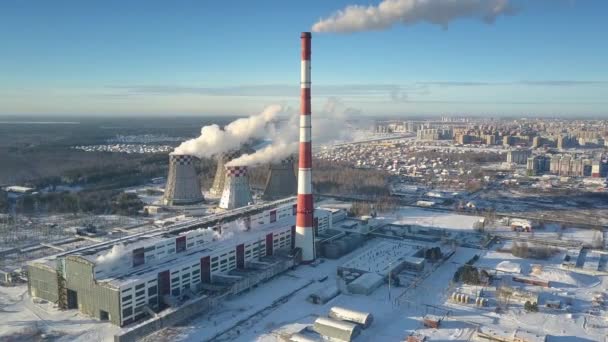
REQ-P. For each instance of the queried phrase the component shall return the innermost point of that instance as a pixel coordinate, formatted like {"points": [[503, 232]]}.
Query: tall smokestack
{"points": [[304, 219]]}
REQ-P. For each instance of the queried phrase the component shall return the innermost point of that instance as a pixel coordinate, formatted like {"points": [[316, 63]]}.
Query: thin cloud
{"points": [[357, 18], [564, 83], [374, 91]]}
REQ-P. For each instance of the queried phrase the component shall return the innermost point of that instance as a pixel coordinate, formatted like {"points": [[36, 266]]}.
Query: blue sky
{"points": [[213, 57]]}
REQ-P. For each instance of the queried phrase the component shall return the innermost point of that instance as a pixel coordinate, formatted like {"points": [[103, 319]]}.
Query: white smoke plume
{"points": [[271, 153], [327, 126], [214, 140], [228, 230], [356, 18], [115, 254]]}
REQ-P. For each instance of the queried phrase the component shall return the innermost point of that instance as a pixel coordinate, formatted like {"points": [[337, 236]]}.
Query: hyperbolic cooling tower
{"points": [[237, 192], [183, 185], [220, 172], [305, 239], [281, 181]]}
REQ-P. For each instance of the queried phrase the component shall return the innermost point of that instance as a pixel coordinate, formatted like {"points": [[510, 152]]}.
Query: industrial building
{"points": [[125, 280]]}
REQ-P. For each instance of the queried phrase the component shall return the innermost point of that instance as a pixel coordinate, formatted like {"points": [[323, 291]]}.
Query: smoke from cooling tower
{"points": [[271, 153], [356, 18], [214, 140], [329, 125]]}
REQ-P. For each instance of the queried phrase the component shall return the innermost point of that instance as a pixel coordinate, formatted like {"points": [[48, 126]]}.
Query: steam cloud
{"points": [[356, 18], [327, 126], [214, 140]]}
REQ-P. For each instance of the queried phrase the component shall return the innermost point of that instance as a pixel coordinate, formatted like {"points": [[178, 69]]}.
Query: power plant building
{"points": [[125, 280]]}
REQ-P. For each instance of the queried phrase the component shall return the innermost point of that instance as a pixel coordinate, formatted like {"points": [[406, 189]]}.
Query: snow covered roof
{"points": [[381, 257], [336, 324]]}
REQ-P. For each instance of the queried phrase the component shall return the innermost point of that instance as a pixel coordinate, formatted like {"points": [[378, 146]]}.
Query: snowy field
{"points": [[22, 319]]}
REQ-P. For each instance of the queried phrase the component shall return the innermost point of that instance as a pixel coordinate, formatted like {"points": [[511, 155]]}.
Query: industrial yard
{"points": [[281, 307]]}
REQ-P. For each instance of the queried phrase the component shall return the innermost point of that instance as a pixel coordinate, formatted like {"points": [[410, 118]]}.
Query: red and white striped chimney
{"points": [[304, 219]]}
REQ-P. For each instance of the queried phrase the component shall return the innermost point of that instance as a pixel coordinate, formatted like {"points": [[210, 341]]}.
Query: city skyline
{"points": [[543, 58]]}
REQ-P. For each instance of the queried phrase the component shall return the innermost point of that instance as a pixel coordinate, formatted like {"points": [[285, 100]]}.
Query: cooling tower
{"points": [[183, 186], [237, 192], [220, 174], [281, 181]]}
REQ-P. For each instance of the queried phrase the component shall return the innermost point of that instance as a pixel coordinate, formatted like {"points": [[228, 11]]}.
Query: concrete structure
{"points": [[237, 192], [336, 330], [124, 280], [305, 209], [567, 165], [538, 165], [427, 134], [518, 156], [220, 172], [599, 168], [281, 181], [183, 185]]}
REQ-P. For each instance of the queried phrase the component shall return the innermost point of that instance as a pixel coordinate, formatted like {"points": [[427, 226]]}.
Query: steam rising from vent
{"points": [[228, 230], [214, 140], [114, 260], [356, 18], [115, 254]]}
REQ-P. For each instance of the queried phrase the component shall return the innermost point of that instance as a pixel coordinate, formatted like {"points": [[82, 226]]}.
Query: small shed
{"points": [[323, 295], [362, 318], [336, 330]]}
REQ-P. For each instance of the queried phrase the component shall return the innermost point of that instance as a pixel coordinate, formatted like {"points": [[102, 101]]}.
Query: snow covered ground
{"points": [[280, 305], [429, 218], [22, 319]]}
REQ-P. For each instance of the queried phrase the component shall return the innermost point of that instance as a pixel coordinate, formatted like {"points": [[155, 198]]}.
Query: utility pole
{"points": [[390, 271]]}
